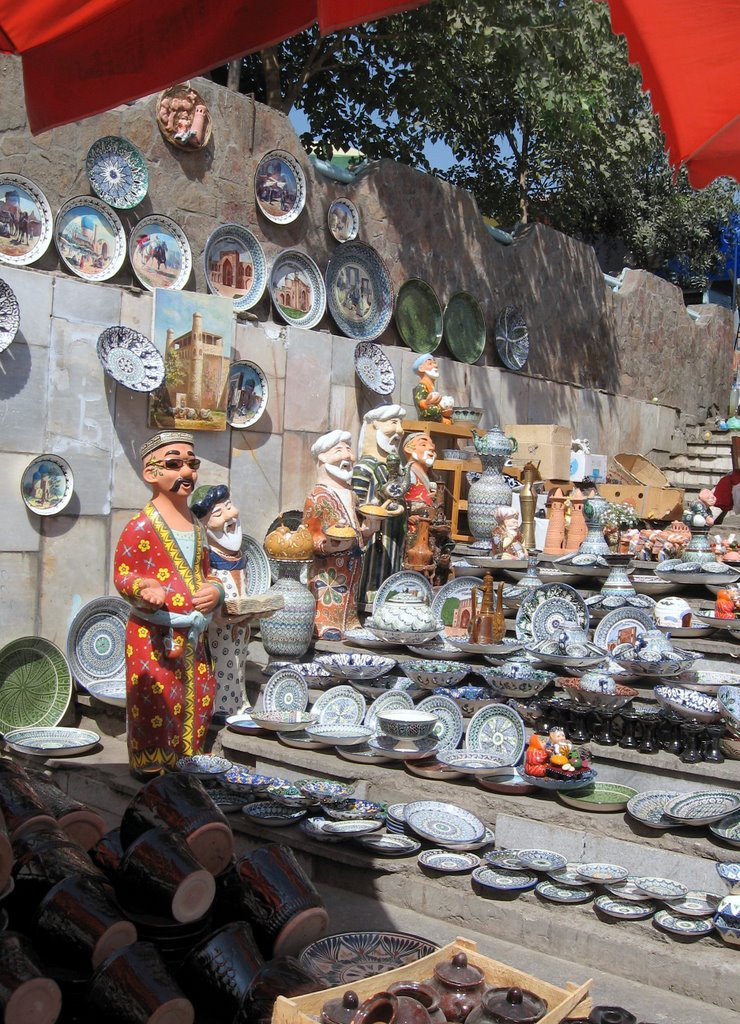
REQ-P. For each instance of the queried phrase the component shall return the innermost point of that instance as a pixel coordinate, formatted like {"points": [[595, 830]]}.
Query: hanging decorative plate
{"points": [[280, 187], [160, 253], [234, 266], [183, 117], [623, 625], [35, 684], [374, 369], [10, 315], [343, 220], [548, 609], [342, 705], [405, 582], [247, 396], [258, 576], [26, 224], [450, 722], [96, 641], [443, 823], [359, 292], [624, 909], [109, 691], [286, 690], [452, 603], [130, 358], [497, 729], [702, 808], [90, 239], [512, 338], [465, 327], [51, 742], [687, 927], [297, 289], [504, 881], [563, 893], [47, 485], [352, 956], [117, 172], [418, 316]]}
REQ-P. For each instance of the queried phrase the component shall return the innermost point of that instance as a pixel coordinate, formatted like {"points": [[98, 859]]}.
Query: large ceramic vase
{"points": [[698, 549], [490, 489], [594, 508], [289, 631]]}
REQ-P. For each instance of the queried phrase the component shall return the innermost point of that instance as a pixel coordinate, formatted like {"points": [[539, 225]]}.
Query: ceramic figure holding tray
{"points": [[430, 404]]}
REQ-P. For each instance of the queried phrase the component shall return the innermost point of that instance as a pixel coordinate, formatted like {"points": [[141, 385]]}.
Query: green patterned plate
{"points": [[464, 328], [418, 316], [604, 797], [35, 684]]}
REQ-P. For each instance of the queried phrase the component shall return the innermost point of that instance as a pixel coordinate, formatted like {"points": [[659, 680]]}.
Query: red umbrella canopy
{"points": [[81, 57], [688, 54]]}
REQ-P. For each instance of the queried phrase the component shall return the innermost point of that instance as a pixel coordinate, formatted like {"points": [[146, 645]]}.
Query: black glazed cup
{"points": [[283, 976], [21, 808], [107, 854], [160, 875], [218, 972], [82, 824], [27, 994], [134, 986], [42, 858]]}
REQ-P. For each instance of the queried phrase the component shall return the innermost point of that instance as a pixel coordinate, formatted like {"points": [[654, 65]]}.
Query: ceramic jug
{"points": [[487, 623], [490, 489], [594, 508], [289, 631], [699, 548]]}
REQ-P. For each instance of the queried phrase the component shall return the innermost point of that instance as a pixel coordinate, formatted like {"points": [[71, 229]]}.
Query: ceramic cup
{"points": [[218, 972], [83, 825], [133, 986], [43, 858], [282, 976], [21, 808], [26, 993], [107, 854], [159, 874]]}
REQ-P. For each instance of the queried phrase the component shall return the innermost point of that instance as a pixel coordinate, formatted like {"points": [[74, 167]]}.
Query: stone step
{"points": [[707, 450], [700, 464]]}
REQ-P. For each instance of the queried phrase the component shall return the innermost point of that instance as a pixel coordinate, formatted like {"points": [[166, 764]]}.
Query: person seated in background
{"points": [[727, 489]]}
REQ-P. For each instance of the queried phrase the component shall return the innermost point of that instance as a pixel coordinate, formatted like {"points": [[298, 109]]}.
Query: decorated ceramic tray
{"points": [[452, 599], [90, 239], [624, 910], [258, 576], [355, 666], [605, 797], [405, 582], [359, 291], [130, 358], [271, 812], [686, 927], [504, 881], [727, 829], [351, 956], [512, 338], [342, 705], [297, 289], [117, 172], [601, 873], [234, 266], [418, 316], [443, 823], [464, 327], [659, 888], [26, 224], [623, 625], [10, 315], [51, 741], [343, 220], [563, 893], [392, 700], [390, 845], [248, 394], [450, 722], [109, 691], [47, 485], [280, 187], [497, 729], [204, 765], [35, 684], [374, 369], [286, 690], [649, 807], [702, 808], [448, 862], [160, 254], [96, 641], [549, 608]]}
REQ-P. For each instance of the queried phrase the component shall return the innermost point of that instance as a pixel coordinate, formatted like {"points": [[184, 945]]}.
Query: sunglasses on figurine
{"points": [[175, 463]]}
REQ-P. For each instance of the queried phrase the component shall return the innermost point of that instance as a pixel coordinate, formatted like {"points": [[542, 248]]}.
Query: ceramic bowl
{"points": [[283, 721], [729, 872], [597, 698], [406, 723], [404, 636], [430, 674], [730, 747], [688, 704], [522, 684], [356, 666], [729, 934], [728, 700], [729, 909], [466, 414]]}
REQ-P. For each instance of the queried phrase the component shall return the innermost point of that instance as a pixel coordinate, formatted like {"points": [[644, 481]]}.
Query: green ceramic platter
{"points": [[606, 797], [35, 684], [465, 327], [418, 316]]}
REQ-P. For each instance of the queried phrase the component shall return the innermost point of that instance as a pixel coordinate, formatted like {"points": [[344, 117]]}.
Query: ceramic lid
{"points": [[341, 1010], [514, 1005], [458, 972]]}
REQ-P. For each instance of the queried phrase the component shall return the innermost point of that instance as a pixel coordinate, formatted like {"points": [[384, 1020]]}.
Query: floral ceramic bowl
{"points": [[430, 674], [688, 703], [729, 909], [730, 934], [407, 723], [355, 666], [283, 721], [516, 679], [728, 700]]}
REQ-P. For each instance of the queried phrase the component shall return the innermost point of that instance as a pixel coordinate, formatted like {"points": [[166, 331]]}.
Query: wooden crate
{"points": [[562, 1002]]}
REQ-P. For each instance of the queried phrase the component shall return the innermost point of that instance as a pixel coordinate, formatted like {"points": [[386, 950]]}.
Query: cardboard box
{"points": [[659, 503], [539, 433], [545, 443], [586, 464]]}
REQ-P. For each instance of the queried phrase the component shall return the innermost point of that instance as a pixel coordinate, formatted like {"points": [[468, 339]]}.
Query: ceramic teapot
{"points": [[406, 611], [459, 986]]}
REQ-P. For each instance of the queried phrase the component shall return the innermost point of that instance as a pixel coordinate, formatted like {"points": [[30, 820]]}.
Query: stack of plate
{"points": [[447, 825], [395, 819]]}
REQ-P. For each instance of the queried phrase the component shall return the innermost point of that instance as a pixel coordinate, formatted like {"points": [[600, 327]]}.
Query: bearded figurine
{"points": [[339, 538], [421, 453], [430, 404]]}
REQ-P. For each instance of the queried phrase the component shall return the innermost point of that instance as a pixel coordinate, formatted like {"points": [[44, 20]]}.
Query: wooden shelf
{"points": [[432, 427]]}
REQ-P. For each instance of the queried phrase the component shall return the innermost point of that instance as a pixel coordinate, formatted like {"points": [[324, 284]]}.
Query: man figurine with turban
{"points": [[162, 569], [430, 404], [421, 452]]}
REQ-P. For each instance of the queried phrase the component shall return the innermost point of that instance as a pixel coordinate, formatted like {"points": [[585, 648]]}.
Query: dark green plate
{"points": [[35, 684], [418, 316], [465, 328]]}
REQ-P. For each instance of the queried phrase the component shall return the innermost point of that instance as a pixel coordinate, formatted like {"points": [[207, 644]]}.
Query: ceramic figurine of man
{"points": [[339, 538], [162, 568], [506, 535], [430, 404], [421, 452]]}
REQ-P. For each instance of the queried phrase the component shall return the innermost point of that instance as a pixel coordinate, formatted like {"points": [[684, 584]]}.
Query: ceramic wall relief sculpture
{"points": [[160, 253], [26, 224], [117, 172], [512, 338], [90, 238], [183, 117], [359, 292], [297, 289], [280, 187], [234, 266]]}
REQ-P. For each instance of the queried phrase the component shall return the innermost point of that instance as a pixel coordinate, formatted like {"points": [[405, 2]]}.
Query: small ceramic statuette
{"points": [[553, 757], [430, 404], [506, 537], [421, 453]]}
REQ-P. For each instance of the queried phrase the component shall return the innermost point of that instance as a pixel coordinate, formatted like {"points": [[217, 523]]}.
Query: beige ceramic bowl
{"points": [[730, 747]]}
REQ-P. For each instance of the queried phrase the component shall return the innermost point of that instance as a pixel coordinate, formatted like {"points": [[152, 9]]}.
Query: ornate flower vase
{"points": [[289, 631], [490, 489], [593, 511], [698, 549]]}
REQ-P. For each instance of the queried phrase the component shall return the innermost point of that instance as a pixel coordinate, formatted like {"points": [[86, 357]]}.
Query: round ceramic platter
{"points": [[405, 582], [258, 576], [659, 888], [10, 315], [706, 681], [340, 735], [728, 829], [342, 705], [286, 690], [604, 797], [243, 723], [702, 808], [504, 881], [90, 238], [506, 860], [563, 893], [280, 187], [352, 956], [343, 220], [464, 327], [696, 904], [567, 876], [362, 754], [270, 812], [51, 742], [364, 638], [248, 393], [697, 577], [390, 845], [512, 338], [443, 823], [563, 606], [626, 890], [203, 764], [541, 860], [130, 359], [26, 224], [96, 641], [234, 266], [600, 873], [711, 619], [447, 861], [451, 596], [687, 927], [393, 700], [283, 721], [117, 172], [623, 909], [109, 691], [160, 253], [374, 369], [418, 316], [302, 740], [649, 807], [359, 291], [47, 485], [623, 625], [450, 725], [497, 729], [653, 587], [359, 827], [686, 632], [439, 650], [297, 289], [35, 684], [729, 873]]}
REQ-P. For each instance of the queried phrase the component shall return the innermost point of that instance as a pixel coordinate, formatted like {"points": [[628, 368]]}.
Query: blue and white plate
{"points": [[659, 888], [342, 705], [356, 666], [688, 703], [624, 910], [340, 735], [297, 289], [315, 828], [548, 609], [505, 860], [564, 893], [96, 642], [601, 873], [117, 172], [285, 690], [203, 765], [686, 927], [450, 722], [649, 807], [301, 740], [696, 904], [727, 829], [702, 808], [469, 762], [627, 890], [448, 862], [359, 291], [243, 724], [324, 790], [270, 812], [567, 876], [499, 730], [353, 808], [54, 741], [443, 823], [130, 359], [504, 881], [390, 845], [109, 691], [374, 369], [258, 575], [541, 860]]}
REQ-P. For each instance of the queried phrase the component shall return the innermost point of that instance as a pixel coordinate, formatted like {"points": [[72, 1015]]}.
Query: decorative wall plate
{"points": [[90, 239], [117, 172], [512, 338], [130, 358], [405, 582], [448, 862], [374, 369], [450, 725], [183, 117], [563, 893], [279, 187], [26, 224], [35, 684], [258, 574], [702, 808], [623, 625], [351, 956], [297, 289], [343, 220], [234, 266], [624, 910], [564, 606], [649, 807], [443, 823], [10, 315], [465, 327], [342, 705], [504, 881], [286, 690], [452, 603], [497, 729], [687, 927], [160, 254], [51, 742], [96, 641], [47, 485], [359, 292], [418, 316], [247, 396]]}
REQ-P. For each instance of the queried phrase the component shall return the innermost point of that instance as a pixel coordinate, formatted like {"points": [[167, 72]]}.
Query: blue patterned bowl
{"points": [[688, 703], [730, 934], [356, 666], [430, 674], [407, 723]]}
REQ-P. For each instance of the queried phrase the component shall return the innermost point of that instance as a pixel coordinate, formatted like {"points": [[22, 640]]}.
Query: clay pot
{"points": [[133, 986], [509, 1006], [218, 972], [282, 976], [611, 1015], [180, 803], [42, 858], [81, 824], [386, 1008], [21, 808], [459, 986], [424, 994], [160, 875], [26, 993], [78, 923], [284, 909], [107, 854]]}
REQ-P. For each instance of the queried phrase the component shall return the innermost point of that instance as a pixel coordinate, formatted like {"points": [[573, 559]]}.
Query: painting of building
{"points": [[231, 272], [294, 294]]}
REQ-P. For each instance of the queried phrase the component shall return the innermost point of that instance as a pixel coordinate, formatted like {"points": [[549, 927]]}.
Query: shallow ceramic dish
{"points": [[398, 750], [297, 289], [563, 893], [511, 782], [78, 221], [499, 880], [324, 790], [342, 705], [403, 637], [710, 618], [469, 762], [340, 735], [601, 873], [702, 808], [501, 650], [243, 723], [528, 684], [350, 829], [364, 638], [696, 904], [505, 860], [685, 927], [356, 666], [448, 862], [360, 315], [708, 681], [390, 845], [597, 698], [431, 674], [130, 359], [285, 690], [110, 691], [728, 702], [352, 956], [603, 797], [431, 768], [541, 860], [450, 724], [300, 740], [47, 485], [96, 641], [626, 890], [35, 684], [624, 910], [271, 812], [283, 721], [659, 888], [363, 754], [567, 876], [374, 369], [203, 765], [53, 741], [10, 315], [727, 829], [31, 201], [689, 704], [649, 807], [499, 730], [443, 823]]}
